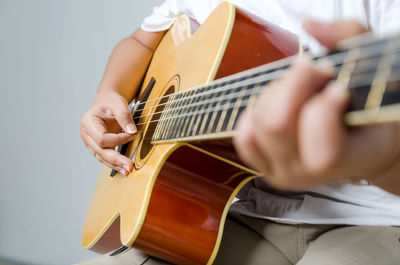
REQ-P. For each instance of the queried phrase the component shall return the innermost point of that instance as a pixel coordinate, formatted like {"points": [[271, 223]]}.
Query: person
{"points": [[330, 195]]}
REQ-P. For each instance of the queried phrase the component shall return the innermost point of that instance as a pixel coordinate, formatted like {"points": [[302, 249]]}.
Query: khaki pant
{"points": [[251, 241]]}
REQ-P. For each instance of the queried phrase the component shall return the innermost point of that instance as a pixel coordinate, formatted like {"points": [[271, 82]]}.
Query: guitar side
{"points": [[174, 203]]}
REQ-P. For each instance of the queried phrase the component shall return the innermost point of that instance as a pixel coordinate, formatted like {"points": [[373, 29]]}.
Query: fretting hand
{"points": [[295, 136]]}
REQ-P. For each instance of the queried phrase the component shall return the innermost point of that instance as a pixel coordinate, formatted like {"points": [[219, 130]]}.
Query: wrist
{"points": [[107, 97], [389, 180], [388, 177]]}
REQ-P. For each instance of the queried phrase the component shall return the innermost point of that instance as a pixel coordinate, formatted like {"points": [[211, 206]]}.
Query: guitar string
{"points": [[243, 84], [251, 81], [334, 60], [227, 107], [199, 133], [210, 90], [262, 70], [231, 105], [285, 62], [235, 95], [227, 87]]}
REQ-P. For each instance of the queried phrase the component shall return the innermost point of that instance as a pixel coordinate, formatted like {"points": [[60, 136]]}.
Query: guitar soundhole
{"points": [[146, 145]]}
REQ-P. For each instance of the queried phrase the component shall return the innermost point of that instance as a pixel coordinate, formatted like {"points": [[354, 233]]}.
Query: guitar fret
{"points": [[176, 116], [224, 110], [200, 115], [164, 130], [349, 63], [199, 122], [161, 127], [190, 109], [215, 108], [206, 114], [378, 86], [235, 109], [220, 109], [210, 108], [214, 115], [185, 123], [158, 128], [242, 107], [170, 123], [193, 117], [180, 119], [185, 128], [226, 115], [392, 93], [217, 117]]}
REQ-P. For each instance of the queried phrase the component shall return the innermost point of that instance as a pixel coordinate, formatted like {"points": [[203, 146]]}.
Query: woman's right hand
{"points": [[107, 124]]}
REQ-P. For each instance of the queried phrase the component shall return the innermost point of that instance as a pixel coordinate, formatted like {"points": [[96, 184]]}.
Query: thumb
{"points": [[329, 34], [124, 116]]}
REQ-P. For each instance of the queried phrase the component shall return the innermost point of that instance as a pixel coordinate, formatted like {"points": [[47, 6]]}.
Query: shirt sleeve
{"points": [[384, 16], [163, 16]]}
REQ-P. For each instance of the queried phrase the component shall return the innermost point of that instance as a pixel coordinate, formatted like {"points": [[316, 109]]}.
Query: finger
{"points": [[329, 34], [97, 131], [246, 148], [91, 151], [280, 103], [275, 115], [322, 133], [112, 140], [108, 140], [124, 117], [119, 169], [110, 156]]}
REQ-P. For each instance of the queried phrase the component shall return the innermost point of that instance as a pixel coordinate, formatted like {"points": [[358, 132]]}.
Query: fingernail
{"points": [[127, 168], [123, 172], [108, 112], [337, 90], [131, 128]]}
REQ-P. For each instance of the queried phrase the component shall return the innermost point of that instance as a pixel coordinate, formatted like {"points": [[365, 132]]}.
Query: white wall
{"points": [[52, 56]]}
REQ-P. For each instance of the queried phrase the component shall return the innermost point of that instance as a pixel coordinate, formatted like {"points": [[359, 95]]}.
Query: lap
{"points": [[253, 241], [355, 245], [240, 245]]}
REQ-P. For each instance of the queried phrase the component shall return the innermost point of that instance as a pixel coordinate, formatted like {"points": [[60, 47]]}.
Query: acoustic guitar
{"points": [[174, 203]]}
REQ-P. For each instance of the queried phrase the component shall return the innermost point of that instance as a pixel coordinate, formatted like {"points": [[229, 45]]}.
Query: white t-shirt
{"points": [[331, 203]]}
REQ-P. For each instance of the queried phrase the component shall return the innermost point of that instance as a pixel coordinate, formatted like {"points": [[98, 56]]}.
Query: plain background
{"points": [[52, 57]]}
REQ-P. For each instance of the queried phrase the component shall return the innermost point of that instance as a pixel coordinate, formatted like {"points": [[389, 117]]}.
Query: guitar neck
{"points": [[368, 67]]}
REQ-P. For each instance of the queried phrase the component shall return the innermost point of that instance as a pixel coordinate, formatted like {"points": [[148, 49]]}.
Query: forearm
{"points": [[128, 63], [388, 175], [390, 179]]}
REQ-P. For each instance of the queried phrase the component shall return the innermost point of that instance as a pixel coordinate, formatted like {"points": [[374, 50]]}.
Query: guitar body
{"points": [[174, 203]]}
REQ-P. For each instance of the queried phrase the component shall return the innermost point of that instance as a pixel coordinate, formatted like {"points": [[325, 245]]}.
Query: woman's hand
{"points": [[295, 136], [107, 124]]}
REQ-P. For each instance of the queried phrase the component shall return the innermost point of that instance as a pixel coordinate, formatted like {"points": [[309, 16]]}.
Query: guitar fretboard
{"points": [[370, 70]]}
